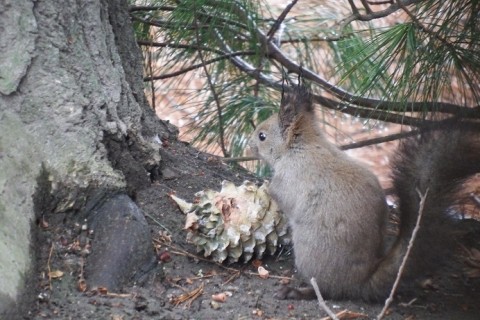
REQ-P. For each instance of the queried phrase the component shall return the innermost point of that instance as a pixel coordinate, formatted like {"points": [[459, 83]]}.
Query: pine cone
{"points": [[237, 222]]}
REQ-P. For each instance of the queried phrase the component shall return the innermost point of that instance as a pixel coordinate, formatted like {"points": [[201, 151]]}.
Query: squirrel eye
{"points": [[262, 136]]}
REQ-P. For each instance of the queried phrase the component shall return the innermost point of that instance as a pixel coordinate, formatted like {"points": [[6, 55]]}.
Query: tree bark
{"points": [[77, 136]]}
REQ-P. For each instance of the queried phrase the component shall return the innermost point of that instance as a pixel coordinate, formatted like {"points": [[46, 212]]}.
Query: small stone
{"points": [[215, 305], [169, 174]]}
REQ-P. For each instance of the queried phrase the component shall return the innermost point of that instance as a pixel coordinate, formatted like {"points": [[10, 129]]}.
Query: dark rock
{"points": [[121, 245]]}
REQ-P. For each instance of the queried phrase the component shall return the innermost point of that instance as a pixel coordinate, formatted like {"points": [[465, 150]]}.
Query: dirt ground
{"points": [[451, 294]]}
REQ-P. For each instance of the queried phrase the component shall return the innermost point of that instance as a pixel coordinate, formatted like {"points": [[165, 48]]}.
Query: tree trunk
{"points": [[73, 120]]}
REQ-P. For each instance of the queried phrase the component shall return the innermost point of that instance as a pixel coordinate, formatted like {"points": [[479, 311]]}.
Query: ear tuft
{"points": [[296, 103]]}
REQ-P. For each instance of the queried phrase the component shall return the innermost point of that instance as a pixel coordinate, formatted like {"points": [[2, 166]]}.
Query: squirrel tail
{"points": [[439, 161]]}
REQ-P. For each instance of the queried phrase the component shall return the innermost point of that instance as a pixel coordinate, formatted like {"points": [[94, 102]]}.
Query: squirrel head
{"points": [[291, 128]]}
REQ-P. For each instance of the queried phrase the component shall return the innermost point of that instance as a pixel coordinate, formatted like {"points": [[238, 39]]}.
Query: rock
{"points": [[121, 245]]}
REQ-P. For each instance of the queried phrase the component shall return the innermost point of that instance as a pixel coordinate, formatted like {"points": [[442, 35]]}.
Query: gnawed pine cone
{"points": [[237, 222]]}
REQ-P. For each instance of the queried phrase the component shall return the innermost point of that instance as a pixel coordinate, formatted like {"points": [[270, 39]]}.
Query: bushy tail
{"points": [[438, 161]]}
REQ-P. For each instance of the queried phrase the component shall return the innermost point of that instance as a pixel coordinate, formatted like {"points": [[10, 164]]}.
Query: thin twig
{"points": [[367, 113], [270, 276], [157, 222], [407, 253], [179, 251], [380, 2], [152, 83], [238, 159], [270, 34], [321, 302], [280, 19], [177, 46], [356, 16], [317, 38], [212, 88], [369, 142], [167, 24], [189, 296], [366, 6], [353, 7], [199, 65], [151, 8], [49, 269]]}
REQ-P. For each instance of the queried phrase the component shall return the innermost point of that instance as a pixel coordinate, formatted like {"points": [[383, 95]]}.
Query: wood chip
{"points": [[347, 315]]}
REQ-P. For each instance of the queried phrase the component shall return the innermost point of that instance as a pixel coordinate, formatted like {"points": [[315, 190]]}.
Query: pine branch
{"points": [[357, 16], [372, 111], [275, 53], [197, 66], [150, 8], [375, 141], [177, 46], [327, 102], [384, 69]]}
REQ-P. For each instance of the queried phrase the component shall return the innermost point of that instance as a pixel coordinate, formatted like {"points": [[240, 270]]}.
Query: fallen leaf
{"points": [[55, 274], [82, 285]]}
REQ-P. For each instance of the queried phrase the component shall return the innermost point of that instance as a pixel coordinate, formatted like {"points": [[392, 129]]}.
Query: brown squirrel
{"points": [[337, 209]]}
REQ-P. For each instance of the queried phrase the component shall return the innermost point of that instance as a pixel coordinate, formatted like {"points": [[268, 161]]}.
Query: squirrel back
{"points": [[337, 209]]}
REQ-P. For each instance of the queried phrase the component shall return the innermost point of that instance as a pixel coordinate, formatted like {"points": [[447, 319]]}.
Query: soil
{"points": [[64, 244]]}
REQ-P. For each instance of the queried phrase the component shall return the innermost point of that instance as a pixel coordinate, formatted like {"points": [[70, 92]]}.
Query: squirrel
{"points": [[337, 209]]}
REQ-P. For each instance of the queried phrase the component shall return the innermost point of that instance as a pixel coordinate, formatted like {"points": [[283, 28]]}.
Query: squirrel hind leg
{"points": [[289, 293]]}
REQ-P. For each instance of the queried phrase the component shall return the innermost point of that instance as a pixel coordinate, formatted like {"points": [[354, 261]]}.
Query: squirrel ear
{"points": [[296, 104]]}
